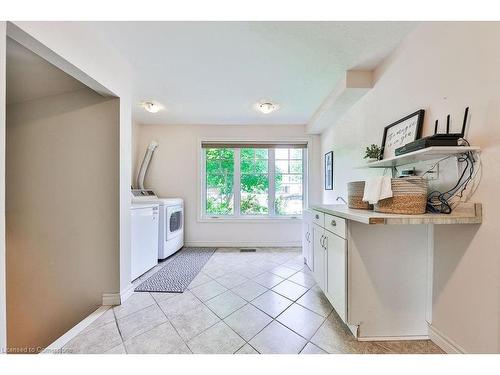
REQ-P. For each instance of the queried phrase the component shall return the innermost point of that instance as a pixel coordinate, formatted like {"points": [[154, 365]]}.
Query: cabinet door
{"points": [[307, 236], [336, 284], [319, 259], [310, 255]]}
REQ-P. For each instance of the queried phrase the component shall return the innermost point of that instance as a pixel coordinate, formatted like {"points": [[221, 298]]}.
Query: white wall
{"points": [[62, 228], [3, 310], [442, 68], [175, 171]]}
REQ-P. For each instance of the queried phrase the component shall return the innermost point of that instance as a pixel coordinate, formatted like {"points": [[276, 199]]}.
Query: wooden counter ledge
{"points": [[466, 213]]}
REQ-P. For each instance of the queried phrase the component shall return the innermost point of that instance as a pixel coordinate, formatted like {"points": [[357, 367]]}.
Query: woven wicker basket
{"points": [[355, 191], [409, 197]]}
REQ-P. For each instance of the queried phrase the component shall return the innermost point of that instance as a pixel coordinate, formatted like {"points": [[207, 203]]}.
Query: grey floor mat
{"points": [[179, 271]]}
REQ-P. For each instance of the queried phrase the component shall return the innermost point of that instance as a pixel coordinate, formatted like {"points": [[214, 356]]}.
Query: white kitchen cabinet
{"points": [[307, 238], [373, 275], [319, 256], [336, 274], [329, 271]]}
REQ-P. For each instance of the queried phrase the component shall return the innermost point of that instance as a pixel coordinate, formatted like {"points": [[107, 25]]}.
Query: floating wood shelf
{"points": [[430, 153]]}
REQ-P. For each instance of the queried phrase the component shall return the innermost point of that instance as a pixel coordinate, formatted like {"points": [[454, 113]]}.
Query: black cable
{"points": [[437, 202]]}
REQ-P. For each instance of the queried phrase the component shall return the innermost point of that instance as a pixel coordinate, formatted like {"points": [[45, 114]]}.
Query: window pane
{"points": [[254, 181], [220, 166], [220, 196], [246, 166], [281, 153], [281, 166], [292, 178], [247, 153], [219, 153], [296, 153], [288, 182], [288, 196], [295, 166], [261, 153], [219, 170], [254, 194], [261, 166]]}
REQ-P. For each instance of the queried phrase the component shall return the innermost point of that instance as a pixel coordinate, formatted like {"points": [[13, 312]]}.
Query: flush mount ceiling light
{"points": [[151, 106], [266, 107]]}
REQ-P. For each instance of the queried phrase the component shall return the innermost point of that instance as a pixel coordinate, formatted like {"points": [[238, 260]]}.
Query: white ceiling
{"points": [[214, 72], [30, 77]]}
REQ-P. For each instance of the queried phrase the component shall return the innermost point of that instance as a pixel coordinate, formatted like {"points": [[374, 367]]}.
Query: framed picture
{"points": [[401, 132], [329, 170]]}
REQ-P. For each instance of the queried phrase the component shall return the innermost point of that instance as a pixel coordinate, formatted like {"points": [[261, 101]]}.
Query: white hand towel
{"points": [[386, 188], [377, 188]]}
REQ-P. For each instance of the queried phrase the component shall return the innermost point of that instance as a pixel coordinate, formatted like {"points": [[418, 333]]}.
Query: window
{"points": [[288, 181], [253, 180], [219, 181]]}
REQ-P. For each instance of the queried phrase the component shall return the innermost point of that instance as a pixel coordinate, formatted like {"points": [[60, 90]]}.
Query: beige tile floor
{"points": [[245, 303]]}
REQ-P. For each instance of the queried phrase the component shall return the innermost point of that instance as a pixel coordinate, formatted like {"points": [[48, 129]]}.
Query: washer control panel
{"points": [[143, 195]]}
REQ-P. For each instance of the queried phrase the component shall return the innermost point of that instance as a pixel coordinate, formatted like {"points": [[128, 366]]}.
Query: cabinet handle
{"points": [[334, 223], [326, 243], [317, 217], [323, 242]]}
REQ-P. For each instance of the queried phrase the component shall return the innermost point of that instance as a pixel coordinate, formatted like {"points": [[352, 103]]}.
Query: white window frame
{"points": [[237, 216]]}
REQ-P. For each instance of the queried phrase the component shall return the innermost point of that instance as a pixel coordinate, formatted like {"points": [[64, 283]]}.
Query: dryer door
{"points": [[174, 221]]}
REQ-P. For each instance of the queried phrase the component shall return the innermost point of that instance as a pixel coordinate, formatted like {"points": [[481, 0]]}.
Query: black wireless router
{"points": [[442, 139]]}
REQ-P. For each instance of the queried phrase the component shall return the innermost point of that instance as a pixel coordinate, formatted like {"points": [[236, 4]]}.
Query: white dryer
{"points": [[171, 233]]}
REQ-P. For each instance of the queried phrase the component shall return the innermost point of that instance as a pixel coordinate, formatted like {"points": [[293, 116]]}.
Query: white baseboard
{"points": [[114, 299], [108, 300], [444, 342], [242, 244], [111, 299], [56, 346], [126, 293], [393, 338]]}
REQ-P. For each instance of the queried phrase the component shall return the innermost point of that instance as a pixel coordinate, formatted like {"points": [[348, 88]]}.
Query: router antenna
{"points": [[465, 121], [436, 127], [448, 124]]}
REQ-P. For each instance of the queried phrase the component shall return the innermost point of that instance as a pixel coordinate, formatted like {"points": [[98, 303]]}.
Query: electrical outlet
{"points": [[434, 174]]}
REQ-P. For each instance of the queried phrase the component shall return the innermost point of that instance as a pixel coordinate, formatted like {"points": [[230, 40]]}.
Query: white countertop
{"points": [[466, 213]]}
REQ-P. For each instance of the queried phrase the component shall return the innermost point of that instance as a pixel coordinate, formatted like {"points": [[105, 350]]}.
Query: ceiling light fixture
{"points": [[266, 107], [151, 107]]}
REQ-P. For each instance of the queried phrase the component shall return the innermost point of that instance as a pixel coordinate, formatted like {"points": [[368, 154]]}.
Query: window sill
{"points": [[221, 219]]}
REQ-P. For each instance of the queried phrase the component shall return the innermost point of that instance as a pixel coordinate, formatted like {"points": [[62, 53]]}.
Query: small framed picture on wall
{"points": [[329, 170], [401, 132]]}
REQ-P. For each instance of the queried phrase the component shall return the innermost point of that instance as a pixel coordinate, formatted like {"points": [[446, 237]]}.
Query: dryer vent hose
{"points": [[145, 164]]}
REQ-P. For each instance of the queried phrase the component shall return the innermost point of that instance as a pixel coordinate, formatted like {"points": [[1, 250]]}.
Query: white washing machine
{"points": [[171, 234], [144, 237]]}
